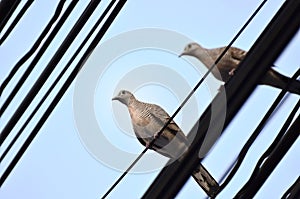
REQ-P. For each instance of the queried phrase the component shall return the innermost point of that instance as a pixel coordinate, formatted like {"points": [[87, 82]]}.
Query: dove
{"points": [[147, 120], [226, 67]]}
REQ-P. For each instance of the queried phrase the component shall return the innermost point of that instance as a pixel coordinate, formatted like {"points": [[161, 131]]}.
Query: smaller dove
{"points": [[147, 120], [226, 67]]}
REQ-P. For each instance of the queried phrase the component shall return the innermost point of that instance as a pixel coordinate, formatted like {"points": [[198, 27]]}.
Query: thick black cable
{"points": [[25, 58], [294, 191], [16, 20], [256, 132], [63, 89], [64, 17], [186, 99], [49, 69], [7, 8], [272, 156], [57, 80], [263, 53]]}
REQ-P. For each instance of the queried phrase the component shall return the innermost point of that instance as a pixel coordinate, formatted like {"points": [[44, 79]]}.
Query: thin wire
{"points": [[125, 173], [25, 58], [38, 84], [257, 169], [256, 132], [16, 20], [63, 89], [186, 99], [263, 53], [63, 18]]}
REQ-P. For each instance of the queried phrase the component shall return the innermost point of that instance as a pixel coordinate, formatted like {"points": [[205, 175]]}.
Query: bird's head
{"points": [[124, 97], [190, 49]]}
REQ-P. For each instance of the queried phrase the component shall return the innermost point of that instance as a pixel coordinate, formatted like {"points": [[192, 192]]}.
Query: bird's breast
{"points": [[137, 117]]}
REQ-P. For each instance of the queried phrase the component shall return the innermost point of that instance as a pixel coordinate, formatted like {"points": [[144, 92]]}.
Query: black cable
{"points": [[263, 53], [271, 148], [272, 156], [63, 18], [16, 20], [49, 69], [63, 89], [57, 80], [125, 173], [24, 59], [7, 8], [256, 132], [294, 191], [257, 169], [186, 99]]}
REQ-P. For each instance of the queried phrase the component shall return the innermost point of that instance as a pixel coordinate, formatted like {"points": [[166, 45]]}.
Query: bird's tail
{"points": [[206, 181], [274, 78]]}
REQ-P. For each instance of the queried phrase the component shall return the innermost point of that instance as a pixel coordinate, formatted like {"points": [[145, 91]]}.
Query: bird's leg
{"points": [[221, 88], [148, 145], [156, 135], [231, 72]]}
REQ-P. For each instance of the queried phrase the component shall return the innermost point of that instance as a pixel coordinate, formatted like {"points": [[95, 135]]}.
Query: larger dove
{"points": [[226, 67]]}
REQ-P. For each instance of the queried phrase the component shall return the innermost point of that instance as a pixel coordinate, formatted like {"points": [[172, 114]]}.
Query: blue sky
{"points": [[66, 160]]}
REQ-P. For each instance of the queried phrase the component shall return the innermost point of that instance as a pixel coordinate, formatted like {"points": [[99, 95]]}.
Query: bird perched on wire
{"points": [[149, 119], [226, 67]]}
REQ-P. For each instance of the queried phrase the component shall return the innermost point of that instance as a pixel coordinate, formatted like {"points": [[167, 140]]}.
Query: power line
{"points": [[49, 69], [49, 39], [57, 79], [185, 100], [256, 132], [272, 156], [263, 53], [27, 56], [7, 8], [294, 191], [63, 89], [16, 20]]}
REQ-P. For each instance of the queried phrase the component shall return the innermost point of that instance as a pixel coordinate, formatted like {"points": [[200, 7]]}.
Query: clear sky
{"points": [[88, 140]]}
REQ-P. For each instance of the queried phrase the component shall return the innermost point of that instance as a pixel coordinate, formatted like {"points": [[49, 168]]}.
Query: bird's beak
{"points": [[181, 54], [115, 98]]}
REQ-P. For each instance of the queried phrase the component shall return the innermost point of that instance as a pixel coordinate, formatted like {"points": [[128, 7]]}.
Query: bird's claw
{"points": [[231, 72], [148, 145], [156, 135]]}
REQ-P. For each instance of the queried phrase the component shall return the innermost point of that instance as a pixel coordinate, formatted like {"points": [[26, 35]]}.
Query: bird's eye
{"points": [[189, 46], [123, 92]]}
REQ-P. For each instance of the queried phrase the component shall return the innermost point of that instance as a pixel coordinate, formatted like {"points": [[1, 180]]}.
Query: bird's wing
{"points": [[237, 53], [214, 53], [161, 117], [171, 142]]}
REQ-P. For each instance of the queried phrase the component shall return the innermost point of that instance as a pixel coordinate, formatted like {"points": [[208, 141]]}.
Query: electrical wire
{"points": [[256, 132], [24, 59], [16, 20], [185, 100], [49, 69], [265, 161], [7, 8], [275, 37], [294, 191], [55, 30], [63, 89]]}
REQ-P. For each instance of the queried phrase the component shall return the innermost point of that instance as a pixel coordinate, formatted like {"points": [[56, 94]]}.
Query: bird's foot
{"points": [[231, 72], [156, 135], [148, 145], [221, 88]]}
